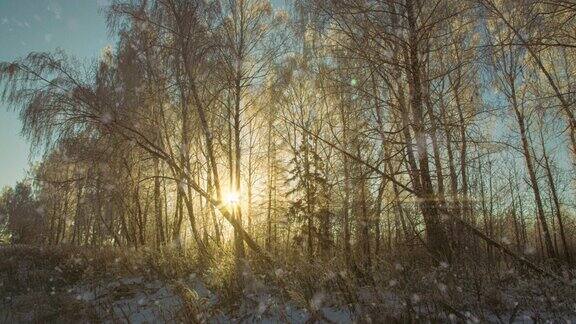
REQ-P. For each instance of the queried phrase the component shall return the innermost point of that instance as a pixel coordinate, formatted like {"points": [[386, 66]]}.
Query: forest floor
{"points": [[67, 284]]}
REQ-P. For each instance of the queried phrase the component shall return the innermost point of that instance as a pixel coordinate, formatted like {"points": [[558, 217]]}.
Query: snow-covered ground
{"points": [[38, 285], [137, 300]]}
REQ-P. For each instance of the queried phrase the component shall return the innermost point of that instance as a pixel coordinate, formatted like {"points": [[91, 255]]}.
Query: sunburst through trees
{"points": [[344, 132]]}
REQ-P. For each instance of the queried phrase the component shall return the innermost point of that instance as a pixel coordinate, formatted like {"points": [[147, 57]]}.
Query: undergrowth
{"points": [[36, 285]]}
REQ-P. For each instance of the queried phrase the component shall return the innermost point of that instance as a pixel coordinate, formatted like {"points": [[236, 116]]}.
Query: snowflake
{"points": [[106, 118], [316, 301], [330, 275], [54, 8], [107, 54], [261, 308], [442, 287], [473, 319]]}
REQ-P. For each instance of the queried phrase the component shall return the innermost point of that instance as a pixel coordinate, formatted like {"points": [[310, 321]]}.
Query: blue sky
{"points": [[76, 26]]}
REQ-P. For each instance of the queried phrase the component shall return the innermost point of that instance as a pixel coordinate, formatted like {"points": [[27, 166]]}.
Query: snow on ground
{"points": [[143, 299], [131, 299], [40, 285], [137, 300]]}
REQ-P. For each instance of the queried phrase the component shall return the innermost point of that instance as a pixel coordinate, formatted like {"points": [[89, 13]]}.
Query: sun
{"points": [[232, 198]]}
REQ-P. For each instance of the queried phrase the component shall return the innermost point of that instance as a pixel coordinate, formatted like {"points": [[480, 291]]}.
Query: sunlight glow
{"points": [[232, 198]]}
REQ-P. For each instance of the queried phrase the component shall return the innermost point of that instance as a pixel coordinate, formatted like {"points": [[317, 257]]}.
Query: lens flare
{"points": [[232, 198]]}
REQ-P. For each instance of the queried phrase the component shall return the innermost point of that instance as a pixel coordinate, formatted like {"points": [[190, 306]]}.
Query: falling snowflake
{"points": [[55, 9], [330, 275], [317, 300], [106, 118], [261, 308], [442, 287], [529, 250]]}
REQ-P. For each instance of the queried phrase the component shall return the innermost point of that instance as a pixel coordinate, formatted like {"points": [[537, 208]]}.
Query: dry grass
{"points": [[37, 283]]}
